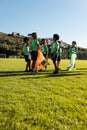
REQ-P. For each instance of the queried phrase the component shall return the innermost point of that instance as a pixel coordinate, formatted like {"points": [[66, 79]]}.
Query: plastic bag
{"points": [[41, 62]]}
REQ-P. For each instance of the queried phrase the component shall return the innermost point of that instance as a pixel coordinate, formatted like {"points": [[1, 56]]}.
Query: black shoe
{"points": [[34, 71], [55, 72], [30, 70], [26, 71], [40, 70]]}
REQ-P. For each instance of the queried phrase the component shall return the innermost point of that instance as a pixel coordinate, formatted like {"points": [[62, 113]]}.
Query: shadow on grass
{"points": [[17, 73], [82, 69], [13, 73], [50, 75], [46, 74]]}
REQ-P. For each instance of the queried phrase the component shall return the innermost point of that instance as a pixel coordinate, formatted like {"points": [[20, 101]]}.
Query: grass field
{"points": [[43, 101]]}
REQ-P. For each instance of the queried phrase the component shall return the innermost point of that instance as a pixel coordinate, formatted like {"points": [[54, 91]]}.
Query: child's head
{"points": [[26, 39], [55, 37], [34, 35], [73, 43], [42, 41]]}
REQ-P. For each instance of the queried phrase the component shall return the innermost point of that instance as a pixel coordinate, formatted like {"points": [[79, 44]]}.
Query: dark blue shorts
{"points": [[26, 58], [59, 58], [54, 56], [34, 55]]}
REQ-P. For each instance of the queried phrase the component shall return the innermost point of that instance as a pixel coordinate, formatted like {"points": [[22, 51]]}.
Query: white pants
{"points": [[72, 62]]}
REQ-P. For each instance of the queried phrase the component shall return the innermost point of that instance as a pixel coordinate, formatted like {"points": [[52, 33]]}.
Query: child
{"points": [[54, 51], [34, 47], [59, 54], [27, 54], [73, 55], [44, 49]]}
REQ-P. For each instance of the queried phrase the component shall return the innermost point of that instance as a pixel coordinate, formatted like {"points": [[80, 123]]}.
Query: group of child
{"points": [[30, 50]]}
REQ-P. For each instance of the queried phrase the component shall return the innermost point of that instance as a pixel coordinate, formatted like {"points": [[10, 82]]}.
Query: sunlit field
{"points": [[43, 101]]}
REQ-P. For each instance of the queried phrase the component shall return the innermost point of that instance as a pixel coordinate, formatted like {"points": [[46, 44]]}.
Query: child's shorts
{"points": [[27, 59], [54, 56], [59, 58], [34, 55]]}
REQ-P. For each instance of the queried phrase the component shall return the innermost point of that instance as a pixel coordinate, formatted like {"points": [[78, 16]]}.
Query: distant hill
{"points": [[11, 44]]}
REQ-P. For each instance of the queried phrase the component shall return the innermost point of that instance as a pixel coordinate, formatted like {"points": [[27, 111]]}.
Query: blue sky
{"points": [[68, 18]]}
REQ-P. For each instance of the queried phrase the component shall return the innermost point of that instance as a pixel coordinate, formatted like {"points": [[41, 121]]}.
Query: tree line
{"points": [[11, 45]]}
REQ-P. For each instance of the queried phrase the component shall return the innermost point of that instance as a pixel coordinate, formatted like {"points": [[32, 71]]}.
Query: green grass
{"points": [[43, 101]]}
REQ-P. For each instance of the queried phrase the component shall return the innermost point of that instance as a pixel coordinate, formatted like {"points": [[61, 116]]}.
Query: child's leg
{"points": [[33, 65], [29, 65], [72, 62], [46, 67], [26, 67], [58, 63], [75, 65], [34, 58], [55, 66]]}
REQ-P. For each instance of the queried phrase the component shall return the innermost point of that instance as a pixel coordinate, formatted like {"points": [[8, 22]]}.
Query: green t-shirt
{"points": [[54, 46], [26, 50], [34, 45], [73, 50], [60, 51], [44, 49]]}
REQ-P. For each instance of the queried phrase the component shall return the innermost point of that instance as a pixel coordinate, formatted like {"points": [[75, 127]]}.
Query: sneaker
{"points": [[69, 69], [44, 70], [33, 72], [55, 72], [74, 69], [30, 70], [40, 70], [26, 71]]}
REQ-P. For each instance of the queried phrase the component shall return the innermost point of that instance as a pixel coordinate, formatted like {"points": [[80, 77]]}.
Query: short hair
{"points": [[25, 39], [42, 41], [56, 36], [74, 42], [34, 33]]}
